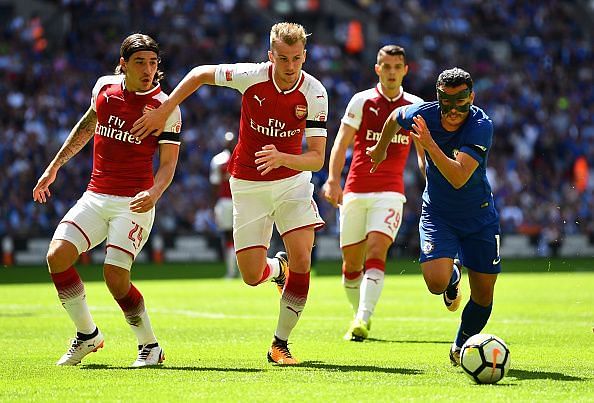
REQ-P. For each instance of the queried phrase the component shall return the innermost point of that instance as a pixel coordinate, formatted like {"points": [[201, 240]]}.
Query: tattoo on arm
{"points": [[79, 136]]}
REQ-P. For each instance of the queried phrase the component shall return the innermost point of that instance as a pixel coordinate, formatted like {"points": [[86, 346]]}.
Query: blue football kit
{"points": [[458, 222]]}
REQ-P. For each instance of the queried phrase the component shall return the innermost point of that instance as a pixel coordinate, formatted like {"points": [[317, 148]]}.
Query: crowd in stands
{"points": [[532, 63]]}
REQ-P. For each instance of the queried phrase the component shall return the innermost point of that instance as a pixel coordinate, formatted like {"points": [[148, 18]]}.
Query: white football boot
{"points": [[149, 354], [452, 296], [79, 349]]}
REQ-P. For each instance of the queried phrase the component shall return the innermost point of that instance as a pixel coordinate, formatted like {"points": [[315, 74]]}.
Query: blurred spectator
{"points": [[532, 63]]}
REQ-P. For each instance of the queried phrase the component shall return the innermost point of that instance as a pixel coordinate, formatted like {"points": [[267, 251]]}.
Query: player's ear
{"points": [[304, 55], [270, 56], [472, 97], [122, 65], [377, 69]]}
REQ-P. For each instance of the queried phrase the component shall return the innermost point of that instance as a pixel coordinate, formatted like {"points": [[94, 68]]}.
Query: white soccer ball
{"points": [[485, 358]]}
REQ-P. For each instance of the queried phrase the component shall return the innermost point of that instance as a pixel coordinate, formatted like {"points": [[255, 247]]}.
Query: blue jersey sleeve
{"points": [[479, 137], [404, 114]]}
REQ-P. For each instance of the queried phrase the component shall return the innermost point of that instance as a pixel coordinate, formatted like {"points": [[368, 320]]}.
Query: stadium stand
{"points": [[532, 63]]}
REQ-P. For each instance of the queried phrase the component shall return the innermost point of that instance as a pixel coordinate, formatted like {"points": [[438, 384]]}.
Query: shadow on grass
{"points": [[357, 368], [305, 364], [374, 340], [168, 368], [554, 376]]}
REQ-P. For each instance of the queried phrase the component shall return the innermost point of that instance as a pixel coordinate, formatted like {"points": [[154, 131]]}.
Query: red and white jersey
{"points": [[219, 174], [270, 115], [367, 111], [122, 164]]}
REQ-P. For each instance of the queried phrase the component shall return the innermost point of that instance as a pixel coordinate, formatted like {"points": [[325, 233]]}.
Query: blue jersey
{"points": [[474, 137]]}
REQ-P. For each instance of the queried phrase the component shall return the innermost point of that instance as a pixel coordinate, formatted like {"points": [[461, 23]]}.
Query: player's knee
{"points": [[57, 256], [300, 263], [117, 283], [251, 279], [377, 251], [436, 285], [351, 266], [52, 258]]}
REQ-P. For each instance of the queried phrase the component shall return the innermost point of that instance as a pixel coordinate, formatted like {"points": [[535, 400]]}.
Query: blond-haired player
{"points": [[270, 172]]}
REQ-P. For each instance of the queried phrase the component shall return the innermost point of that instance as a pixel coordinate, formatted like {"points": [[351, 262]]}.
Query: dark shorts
{"points": [[474, 240]]}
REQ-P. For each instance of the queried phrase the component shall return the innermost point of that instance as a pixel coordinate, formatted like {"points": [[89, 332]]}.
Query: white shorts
{"points": [[96, 217], [223, 212], [362, 213], [257, 205]]}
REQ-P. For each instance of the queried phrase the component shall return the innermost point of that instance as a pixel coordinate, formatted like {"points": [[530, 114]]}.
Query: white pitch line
{"points": [[223, 316]]}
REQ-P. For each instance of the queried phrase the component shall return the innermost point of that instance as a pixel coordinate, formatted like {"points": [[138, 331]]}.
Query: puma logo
{"points": [[320, 96], [374, 110], [113, 96], [294, 311], [258, 99], [375, 280]]}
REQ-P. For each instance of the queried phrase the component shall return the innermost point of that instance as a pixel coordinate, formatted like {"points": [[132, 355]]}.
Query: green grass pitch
{"points": [[216, 333]]}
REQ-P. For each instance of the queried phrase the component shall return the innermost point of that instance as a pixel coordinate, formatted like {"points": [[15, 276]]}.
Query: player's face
{"points": [[391, 71], [287, 60], [140, 70], [454, 118]]}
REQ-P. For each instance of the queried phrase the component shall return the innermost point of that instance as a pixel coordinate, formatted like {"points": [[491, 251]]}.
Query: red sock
{"points": [[132, 303], [68, 283], [378, 264], [265, 275], [351, 275], [296, 288]]}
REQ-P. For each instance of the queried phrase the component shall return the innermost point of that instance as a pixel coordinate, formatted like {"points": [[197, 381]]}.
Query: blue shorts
{"points": [[475, 240]]}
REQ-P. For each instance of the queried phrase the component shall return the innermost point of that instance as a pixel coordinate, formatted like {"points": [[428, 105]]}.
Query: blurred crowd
{"points": [[532, 63]]}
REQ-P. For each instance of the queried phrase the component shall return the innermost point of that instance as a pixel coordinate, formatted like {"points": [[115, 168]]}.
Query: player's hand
{"points": [[152, 122], [268, 159], [420, 132], [332, 192], [41, 191], [377, 155], [142, 202]]}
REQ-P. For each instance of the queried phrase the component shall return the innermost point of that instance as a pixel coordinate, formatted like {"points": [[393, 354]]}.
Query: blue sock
{"points": [[474, 319], [455, 275]]}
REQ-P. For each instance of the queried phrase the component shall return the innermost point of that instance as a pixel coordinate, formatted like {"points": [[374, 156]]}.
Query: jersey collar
{"points": [[378, 88], [156, 89], [297, 83]]}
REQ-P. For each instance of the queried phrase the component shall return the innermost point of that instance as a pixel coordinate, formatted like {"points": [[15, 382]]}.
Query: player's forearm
{"points": [[336, 164], [451, 169], [311, 160], [421, 162], [197, 77], [79, 136], [168, 156], [390, 128], [163, 178]]}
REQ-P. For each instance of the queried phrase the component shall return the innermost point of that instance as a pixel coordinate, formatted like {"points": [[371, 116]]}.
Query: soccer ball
{"points": [[485, 358]]}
